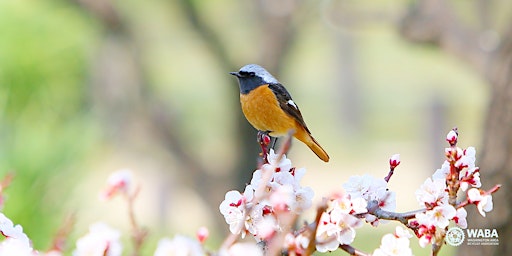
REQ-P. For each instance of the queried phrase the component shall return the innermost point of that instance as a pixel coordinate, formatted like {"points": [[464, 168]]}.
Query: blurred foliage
{"points": [[44, 125]]}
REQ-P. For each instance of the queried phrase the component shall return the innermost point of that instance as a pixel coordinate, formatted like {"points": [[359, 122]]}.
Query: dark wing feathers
{"points": [[287, 104]]}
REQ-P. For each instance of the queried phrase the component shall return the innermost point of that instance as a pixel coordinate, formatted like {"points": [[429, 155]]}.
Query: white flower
{"points": [[439, 216], [442, 172], [394, 244], [460, 217], [359, 205], [297, 245], [442, 214], [284, 165], [468, 158], [179, 246], [425, 219], [282, 198], [485, 205], [370, 188], [335, 227], [402, 233], [432, 192], [483, 201], [470, 177], [303, 200], [9, 230], [326, 234], [101, 240], [15, 247], [358, 186]]}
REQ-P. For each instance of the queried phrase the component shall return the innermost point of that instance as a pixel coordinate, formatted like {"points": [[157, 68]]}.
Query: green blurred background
{"points": [[88, 87]]}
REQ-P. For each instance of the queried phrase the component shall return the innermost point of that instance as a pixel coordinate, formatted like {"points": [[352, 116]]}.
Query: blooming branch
{"points": [[273, 200]]}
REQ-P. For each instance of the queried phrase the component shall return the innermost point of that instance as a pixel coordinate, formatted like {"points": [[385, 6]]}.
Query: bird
{"points": [[269, 107]]}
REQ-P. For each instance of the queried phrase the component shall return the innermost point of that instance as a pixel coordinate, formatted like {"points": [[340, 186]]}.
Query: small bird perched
{"points": [[269, 108]]}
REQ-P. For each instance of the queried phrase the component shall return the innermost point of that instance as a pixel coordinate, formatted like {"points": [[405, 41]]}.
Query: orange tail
{"points": [[312, 144]]}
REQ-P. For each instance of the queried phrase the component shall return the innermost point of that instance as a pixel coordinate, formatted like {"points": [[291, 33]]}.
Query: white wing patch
{"points": [[291, 103]]}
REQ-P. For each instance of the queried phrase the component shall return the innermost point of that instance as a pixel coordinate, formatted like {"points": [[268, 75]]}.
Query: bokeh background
{"points": [[88, 87]]}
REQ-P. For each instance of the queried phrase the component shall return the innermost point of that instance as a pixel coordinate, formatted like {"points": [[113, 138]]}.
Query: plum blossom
{"points": [[202, 234], [101, 240], [297, 244], [16, 247], [370, 188], [179, 246], [451, 137], [11, 231], [432, 192], [336, 227], [119, 182], [234, 209], [442, 214], [460, 217], [395, 244], [442, 172], [394, 160], [255, 211], [483, 201]]}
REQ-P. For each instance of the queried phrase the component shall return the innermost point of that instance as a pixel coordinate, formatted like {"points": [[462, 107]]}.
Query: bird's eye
{"points": [[247, 73]]}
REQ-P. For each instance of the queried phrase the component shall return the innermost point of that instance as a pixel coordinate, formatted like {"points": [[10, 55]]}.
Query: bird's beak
{"points": [[235, 74]]}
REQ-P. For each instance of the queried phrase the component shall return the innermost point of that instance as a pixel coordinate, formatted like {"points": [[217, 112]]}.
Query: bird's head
{"points": [[252, 76]]}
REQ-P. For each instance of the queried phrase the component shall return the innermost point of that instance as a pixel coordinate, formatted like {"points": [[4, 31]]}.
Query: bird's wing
{"points": [[287, 104]]}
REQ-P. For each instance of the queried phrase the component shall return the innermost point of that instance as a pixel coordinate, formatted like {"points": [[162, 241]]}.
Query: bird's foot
{"points": [[264, 140]]}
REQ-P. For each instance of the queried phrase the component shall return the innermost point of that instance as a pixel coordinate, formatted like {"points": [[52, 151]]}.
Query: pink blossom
{"points": [[451, 137], [202, 234], [394, 161], [118, 182]]}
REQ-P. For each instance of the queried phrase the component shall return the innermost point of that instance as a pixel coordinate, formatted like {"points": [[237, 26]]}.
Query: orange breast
{"points": [[262, 110]]}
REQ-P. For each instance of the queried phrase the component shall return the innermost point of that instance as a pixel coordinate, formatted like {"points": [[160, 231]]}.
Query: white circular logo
{"points": [[454, 236]]}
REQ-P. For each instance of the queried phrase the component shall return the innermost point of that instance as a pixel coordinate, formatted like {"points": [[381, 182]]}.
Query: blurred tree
{"points": [[486, 45], [277, 23]]}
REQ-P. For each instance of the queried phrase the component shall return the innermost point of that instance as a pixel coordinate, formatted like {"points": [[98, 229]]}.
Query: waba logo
{"points": [[454, 236]]}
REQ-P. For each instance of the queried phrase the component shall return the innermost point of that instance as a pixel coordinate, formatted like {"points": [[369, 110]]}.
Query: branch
{"points": [[374, 209], [352, 251]]}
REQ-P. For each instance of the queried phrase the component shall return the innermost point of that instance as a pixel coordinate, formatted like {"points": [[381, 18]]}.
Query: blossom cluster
{"points": [[256, 213], [272, 202], [438, 193]]}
